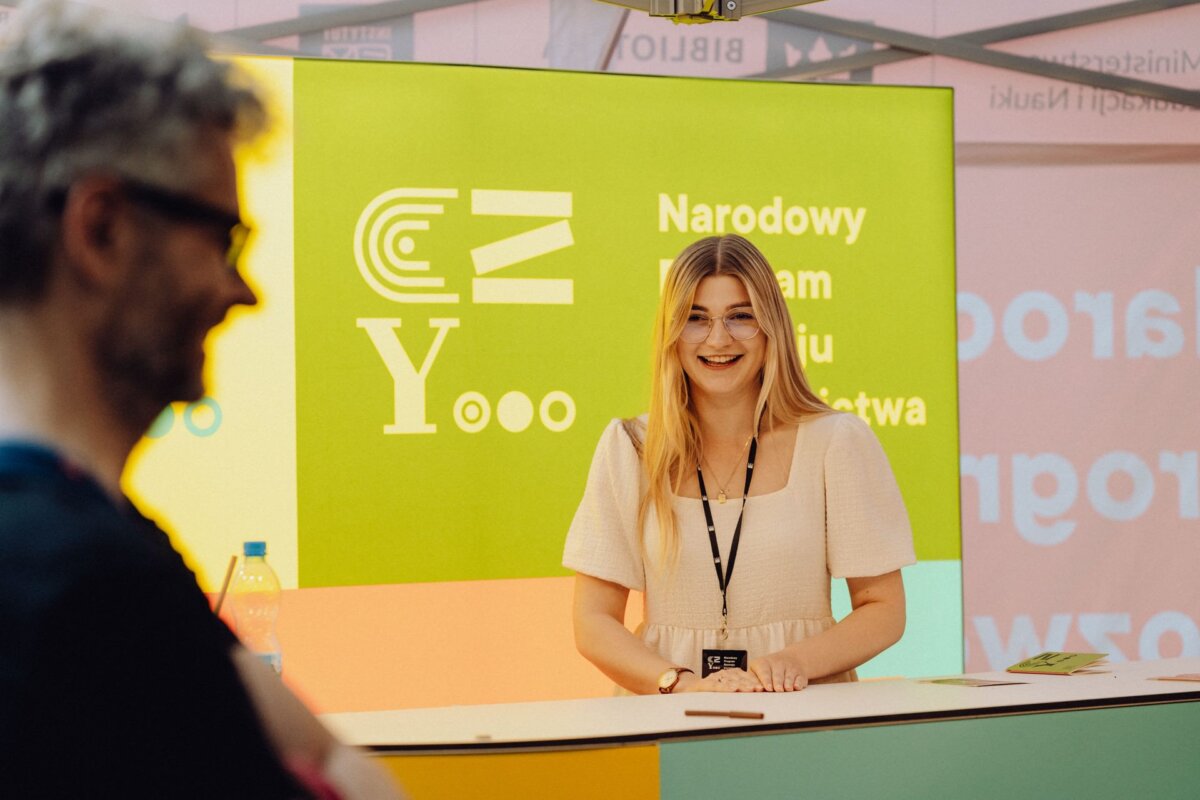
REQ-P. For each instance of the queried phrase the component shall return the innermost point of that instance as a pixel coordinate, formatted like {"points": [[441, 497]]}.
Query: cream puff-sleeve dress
{"points": [[840, 515]]}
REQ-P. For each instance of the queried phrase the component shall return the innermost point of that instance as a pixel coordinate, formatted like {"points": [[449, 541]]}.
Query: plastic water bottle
{"points": [[256, 599]]}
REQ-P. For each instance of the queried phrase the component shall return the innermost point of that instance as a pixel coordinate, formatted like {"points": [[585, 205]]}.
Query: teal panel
{"points": [[1144, 752], [932, 642]]}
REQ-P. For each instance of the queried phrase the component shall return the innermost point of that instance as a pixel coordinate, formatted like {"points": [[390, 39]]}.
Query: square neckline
{"points": [[787, 484]]}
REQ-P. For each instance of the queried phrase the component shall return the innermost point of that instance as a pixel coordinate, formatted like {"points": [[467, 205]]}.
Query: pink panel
{"points": [[959, 17], [997, 106], [1080, 427], [498, 32]]}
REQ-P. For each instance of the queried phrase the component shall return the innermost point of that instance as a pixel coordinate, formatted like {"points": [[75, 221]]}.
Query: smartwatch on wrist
{"points": [[670, 679]]}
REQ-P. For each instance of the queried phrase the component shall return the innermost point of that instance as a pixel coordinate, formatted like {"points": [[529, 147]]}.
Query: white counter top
{"points": [[598, 721]]}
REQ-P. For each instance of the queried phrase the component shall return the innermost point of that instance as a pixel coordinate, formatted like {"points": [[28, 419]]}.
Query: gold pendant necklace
{"points": [[722, 496]]}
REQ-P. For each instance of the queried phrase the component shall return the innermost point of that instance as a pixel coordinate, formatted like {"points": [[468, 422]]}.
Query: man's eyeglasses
{"points": [[740, 322], [182, 208]]}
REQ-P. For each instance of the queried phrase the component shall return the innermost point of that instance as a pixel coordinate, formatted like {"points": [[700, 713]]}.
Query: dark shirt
{"points": [[115, 677]]}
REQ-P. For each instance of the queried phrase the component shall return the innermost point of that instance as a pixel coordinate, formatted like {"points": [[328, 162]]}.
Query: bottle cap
{"points": [[254, 548]]}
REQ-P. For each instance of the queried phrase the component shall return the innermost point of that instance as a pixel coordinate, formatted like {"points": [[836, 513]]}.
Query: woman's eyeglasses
{"points": [[740, 323]]}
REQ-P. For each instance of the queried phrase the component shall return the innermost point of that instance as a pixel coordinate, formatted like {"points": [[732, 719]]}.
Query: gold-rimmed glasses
{"points": [[739, 322]]}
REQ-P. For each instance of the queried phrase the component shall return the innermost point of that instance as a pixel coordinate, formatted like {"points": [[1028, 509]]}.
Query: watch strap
{"points": [[678, 674]]}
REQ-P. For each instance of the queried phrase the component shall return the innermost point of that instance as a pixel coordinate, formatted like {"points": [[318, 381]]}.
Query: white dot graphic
{"points": [[472, 412], [515, 411], [548, 404]]}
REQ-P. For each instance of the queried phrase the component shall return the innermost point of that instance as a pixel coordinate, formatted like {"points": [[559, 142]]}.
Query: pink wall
{"points": [[1080, 430]]}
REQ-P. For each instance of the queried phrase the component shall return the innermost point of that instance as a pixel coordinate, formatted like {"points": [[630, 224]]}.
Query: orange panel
{"points": [[370, 648]]}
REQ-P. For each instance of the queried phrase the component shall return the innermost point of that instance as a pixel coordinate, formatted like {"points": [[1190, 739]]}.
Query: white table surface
{"points": [[596, 721]]}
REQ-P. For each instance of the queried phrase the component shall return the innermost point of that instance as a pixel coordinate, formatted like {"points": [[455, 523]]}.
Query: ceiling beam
{"points": [[999, 33], [614, 37], [952, 47], [1034, 154]]}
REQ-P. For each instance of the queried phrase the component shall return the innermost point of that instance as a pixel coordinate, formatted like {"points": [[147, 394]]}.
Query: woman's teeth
{"points": [[719, 360]]}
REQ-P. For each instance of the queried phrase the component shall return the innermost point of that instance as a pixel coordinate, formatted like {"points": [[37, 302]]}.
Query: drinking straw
{"points": [[225, 584]]}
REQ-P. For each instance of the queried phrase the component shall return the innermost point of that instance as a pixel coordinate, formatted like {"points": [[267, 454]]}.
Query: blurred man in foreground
{"points": [[120, 234]]}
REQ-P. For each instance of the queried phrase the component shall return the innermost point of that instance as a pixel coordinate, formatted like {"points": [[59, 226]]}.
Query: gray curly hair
{"points": [[83, 92]]}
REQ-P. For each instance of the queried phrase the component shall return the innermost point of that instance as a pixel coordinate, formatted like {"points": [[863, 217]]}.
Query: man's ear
{"points": [[96, 230]]}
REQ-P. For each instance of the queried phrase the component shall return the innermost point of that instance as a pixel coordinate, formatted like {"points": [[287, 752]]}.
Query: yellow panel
{"points": [[220, 480], [628, 773]]}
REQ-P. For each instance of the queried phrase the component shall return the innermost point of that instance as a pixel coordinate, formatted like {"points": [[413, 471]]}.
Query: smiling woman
{"points": [[816, 499], [725, 358]]}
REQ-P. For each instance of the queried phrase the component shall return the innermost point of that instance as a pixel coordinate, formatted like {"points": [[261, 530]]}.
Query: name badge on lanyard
{"points": [[717, 660]]}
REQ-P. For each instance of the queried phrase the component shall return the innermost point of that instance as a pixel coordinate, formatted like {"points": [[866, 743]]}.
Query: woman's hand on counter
{"points": [[779, 672], [729, 680]]}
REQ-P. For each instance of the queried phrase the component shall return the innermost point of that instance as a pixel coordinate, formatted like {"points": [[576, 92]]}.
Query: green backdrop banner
{"points": [[478, 257]]}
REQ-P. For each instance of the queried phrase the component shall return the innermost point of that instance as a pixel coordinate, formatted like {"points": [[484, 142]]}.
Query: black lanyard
{"points": [[723, 577]]}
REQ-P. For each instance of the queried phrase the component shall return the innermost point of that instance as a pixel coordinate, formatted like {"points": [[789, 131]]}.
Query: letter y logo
{"points": [[408, 382]]}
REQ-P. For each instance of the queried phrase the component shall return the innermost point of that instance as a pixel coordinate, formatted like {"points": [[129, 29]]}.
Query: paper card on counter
{"points": [[1058, 663]]}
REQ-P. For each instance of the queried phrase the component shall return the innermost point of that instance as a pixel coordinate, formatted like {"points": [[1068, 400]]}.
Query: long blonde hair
{"points": [[672, 444]]}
